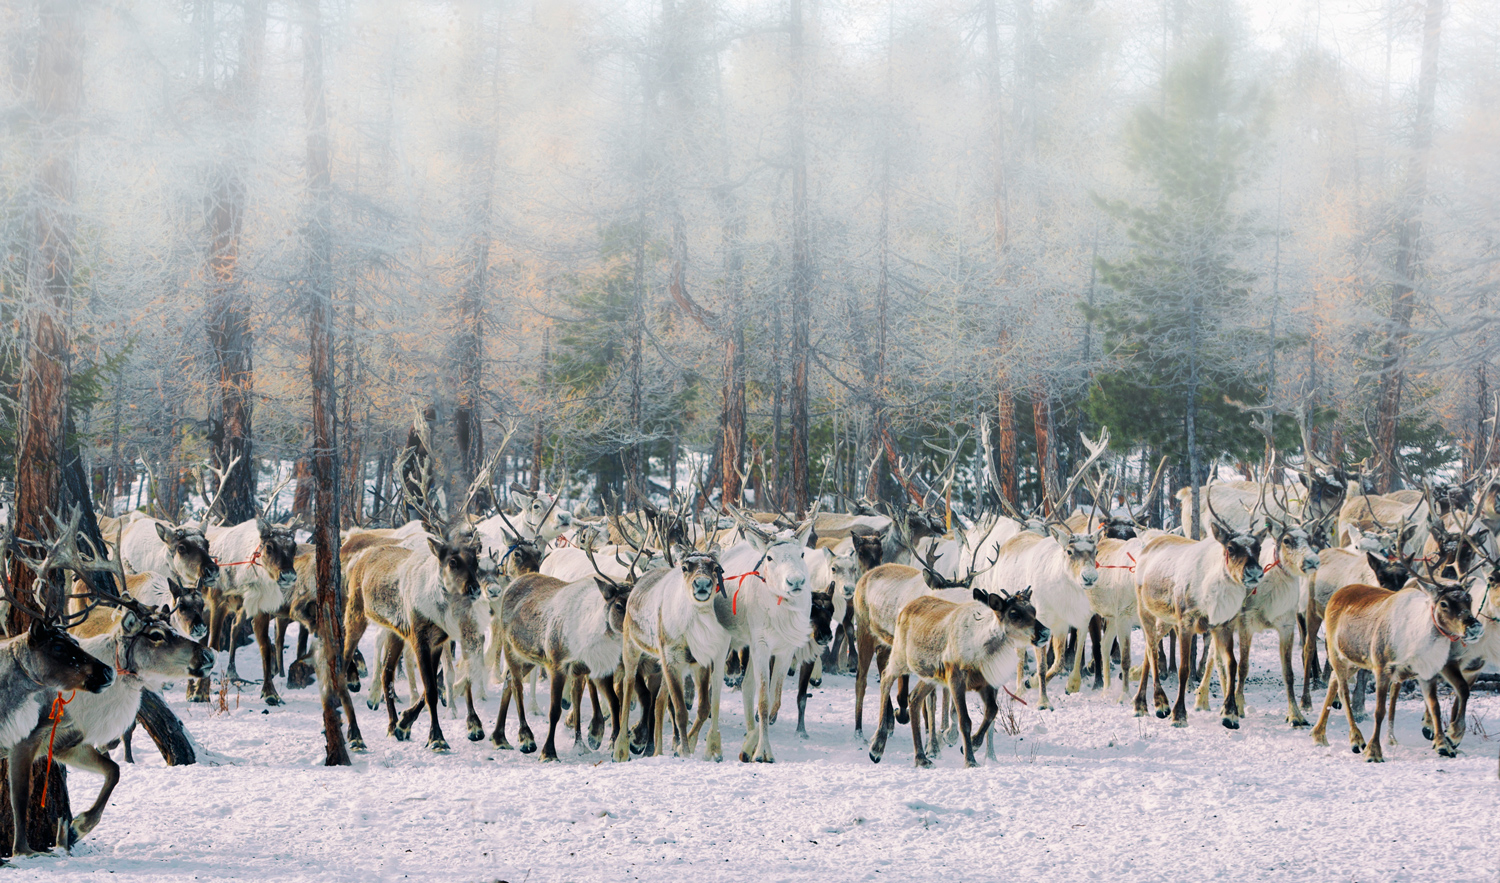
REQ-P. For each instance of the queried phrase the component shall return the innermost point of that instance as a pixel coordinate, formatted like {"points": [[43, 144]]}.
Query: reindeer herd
{"points": [[660, 611]]}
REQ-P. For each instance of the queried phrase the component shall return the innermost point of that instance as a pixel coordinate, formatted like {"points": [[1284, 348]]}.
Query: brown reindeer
{"points": [[1396, 636]]}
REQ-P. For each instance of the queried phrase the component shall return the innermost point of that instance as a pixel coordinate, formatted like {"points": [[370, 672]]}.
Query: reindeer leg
{"points": [[607, 684], [1320, 729], [1313, 622], [1100, 651], [1294, 716], [864, 654], [1075, 679], [903, 700], [887, 712], [1125, 660], [519, 672], [804, 679], [596, 723], [1383, 684], [630, 660], [672, 680], [1457, 720], [389, 660], [1356, 738], [1229, 665], [1205, 684], [87, 757], [262, 625], [958, 682], [429, 657], [919, 696], [472, 723], [749, 693], [1444, 746], [713, 749], [558, 682], [354, 629], [1185, 651], [1149, 671], [1390, 721], [21, 760]]}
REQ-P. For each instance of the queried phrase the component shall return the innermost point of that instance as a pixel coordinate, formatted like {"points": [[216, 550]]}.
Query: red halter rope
{"points": [[56, 718]]}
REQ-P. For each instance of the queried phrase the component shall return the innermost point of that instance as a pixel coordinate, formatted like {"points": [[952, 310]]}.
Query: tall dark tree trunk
{"points": [[231, 342], [319, 290], [801, 281], [1046, 449], [56, 83], [1408, 259]]}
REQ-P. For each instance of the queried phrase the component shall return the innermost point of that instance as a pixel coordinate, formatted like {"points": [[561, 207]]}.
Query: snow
{"points": [[1083, 792]]}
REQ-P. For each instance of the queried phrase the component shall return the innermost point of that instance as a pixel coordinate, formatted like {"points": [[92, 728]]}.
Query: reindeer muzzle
{"points": [[703, 588], [199, 631], [1041, 635], [100, 680], [203, 663], [1474, 631]]}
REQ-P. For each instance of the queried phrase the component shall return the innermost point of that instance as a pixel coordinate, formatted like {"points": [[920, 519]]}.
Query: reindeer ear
{"points": [[930, 579], [437, 546], [1376, 563], [263, 526], [520, 498], [164, 532], [131, 624], [1219, 533], [606, 588], [981, 596], [175, 588]]}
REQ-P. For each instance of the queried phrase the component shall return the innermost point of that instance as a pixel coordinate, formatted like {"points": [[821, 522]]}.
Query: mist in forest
{"points": [[768, 253]]}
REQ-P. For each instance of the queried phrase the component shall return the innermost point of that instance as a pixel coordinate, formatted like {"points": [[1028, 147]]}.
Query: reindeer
{"points": [[1287, 564], [1060, 568], [258, 566], [567, 628], [960, 646], [1194, 587], [1395, 636], [1338, 568], [146, 650], [769, 611], [149, 545], [670, 619], [426, 598]]}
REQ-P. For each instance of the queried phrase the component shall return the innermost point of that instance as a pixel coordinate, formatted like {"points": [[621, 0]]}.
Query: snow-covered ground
{"points": [[1084, 792]]}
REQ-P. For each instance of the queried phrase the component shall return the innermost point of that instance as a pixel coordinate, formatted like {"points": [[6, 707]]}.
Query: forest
{"points": [[766, 253]]}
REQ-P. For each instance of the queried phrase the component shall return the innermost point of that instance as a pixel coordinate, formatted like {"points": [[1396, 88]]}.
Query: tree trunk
{"points": [[1046, 451], [56, 84], [324, 400], [230, 340], [1007, 445], [1408, 260], [997, 126], [801, 281]]}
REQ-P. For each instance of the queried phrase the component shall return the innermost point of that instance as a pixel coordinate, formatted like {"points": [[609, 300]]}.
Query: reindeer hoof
{"points": [[596, 739], [802, 733], [273, 700], [815, 682], [475, 733], [437, 743], [744, 757], [1299, 723], [1229, 723], [401, 734], [1448, 750], [903, 717], [356, 744], [501, 743], [1427, 732], [1357, 748], [922, 762], [528, 746]]}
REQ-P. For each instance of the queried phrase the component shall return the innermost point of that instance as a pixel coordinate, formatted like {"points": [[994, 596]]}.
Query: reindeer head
{"points": [[846, 572], [1016, 616], [1489, 601], [187, 610], [278, 551], [541, 516], [616, 596], [54, 660], [1118, 527], [1241, 553], [782, 565], [1294, 548], [868, 548], [1080, 549], [188, 555], [149, 646], [1391, 572], [458, 564], [822, 618], [1452, 610], [702, 575]]}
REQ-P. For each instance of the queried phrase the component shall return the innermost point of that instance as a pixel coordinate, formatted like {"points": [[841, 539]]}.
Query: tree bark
{"points": [[57, 83], [231, 341], [1408, 260], [801, 281], [1046, 450], [325, 469]]}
